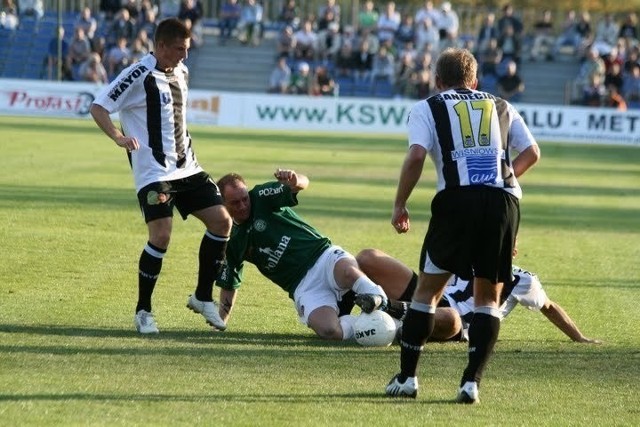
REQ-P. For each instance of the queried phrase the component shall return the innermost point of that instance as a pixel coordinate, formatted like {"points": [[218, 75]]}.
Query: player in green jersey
{"points": [[292, 254]]}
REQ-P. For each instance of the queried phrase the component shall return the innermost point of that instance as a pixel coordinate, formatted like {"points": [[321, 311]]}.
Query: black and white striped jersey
{"points": [[525, 289], [152, 106], [470, 136]]}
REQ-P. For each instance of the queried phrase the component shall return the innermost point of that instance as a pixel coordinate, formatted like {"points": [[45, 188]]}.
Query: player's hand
{"points": [[286, 176], [400, 220], [129, 143]]}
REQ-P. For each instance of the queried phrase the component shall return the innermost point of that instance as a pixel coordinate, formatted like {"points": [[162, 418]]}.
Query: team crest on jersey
{"points": [[165, 97], [259, 225]]}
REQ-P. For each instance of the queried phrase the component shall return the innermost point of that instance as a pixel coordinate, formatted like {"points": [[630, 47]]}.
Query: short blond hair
{"points": [[456, 67]]}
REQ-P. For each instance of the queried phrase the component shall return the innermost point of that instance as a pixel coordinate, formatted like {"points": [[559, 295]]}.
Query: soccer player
{"points": [[292, 254], [470, 136], [151, 97], [524, 289]]}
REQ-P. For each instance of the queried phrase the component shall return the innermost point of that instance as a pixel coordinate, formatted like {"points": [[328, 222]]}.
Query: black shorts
{"points": [[472, 232], [188, 195]]}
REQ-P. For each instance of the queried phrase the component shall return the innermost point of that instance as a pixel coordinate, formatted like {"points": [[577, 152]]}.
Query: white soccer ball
{"points": [[376, 329]]}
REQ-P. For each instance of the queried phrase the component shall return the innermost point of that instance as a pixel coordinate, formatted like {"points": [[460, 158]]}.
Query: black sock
{"points": [[407, 295], [483, 334], [346, 304], [396, 309], [211, 258], [149, 268], [416, 328]]}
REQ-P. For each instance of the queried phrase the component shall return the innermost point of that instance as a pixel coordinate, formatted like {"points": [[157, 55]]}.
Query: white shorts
{"points": [[318, 288]]}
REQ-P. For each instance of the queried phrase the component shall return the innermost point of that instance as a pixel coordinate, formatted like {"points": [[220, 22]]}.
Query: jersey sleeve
{"points": [[125, 90], [421, 129], [520, 137], [529, 292], [274, 195]]}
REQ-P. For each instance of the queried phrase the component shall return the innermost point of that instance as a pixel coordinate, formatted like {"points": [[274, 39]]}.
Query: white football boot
{"points": [[209, 310], [145, 323]]}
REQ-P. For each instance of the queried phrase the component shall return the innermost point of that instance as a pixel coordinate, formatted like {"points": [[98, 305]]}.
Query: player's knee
{"points": [[329, 332], [366, 258]]}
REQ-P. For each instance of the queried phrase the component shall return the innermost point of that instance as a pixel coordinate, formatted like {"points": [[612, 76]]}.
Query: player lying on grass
{"points": [[292, 254], [456, 306]]}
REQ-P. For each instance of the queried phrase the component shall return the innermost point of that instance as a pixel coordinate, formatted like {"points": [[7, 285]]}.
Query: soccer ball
{"points": [[376, 329]]}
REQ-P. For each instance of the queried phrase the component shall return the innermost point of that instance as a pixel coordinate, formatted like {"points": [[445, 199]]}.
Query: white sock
{"points": [[346, 323], [364, 285]]}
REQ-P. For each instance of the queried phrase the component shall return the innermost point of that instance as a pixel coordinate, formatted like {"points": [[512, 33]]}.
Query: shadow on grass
{"points": [[377, 398]]}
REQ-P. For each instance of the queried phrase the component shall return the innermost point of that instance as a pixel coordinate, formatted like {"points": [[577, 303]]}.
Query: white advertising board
{"points": [[280, 112]]}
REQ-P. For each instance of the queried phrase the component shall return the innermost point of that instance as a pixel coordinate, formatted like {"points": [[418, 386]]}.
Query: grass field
{"points": [[71, 235]]}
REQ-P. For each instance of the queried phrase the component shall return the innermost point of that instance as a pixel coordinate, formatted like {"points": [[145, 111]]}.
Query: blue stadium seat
{"points": [[382, 88]]}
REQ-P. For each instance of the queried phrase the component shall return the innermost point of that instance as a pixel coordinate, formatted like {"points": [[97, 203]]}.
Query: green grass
{"points": [[71, 233]]}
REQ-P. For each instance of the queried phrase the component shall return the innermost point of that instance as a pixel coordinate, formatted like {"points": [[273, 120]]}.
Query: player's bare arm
{"points": [[296, 181], [556, 315], [409, 176], [103, 120], [526, 159]]}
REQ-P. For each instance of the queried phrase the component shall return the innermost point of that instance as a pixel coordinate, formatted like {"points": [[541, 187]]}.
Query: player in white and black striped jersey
{"points": [[479, 145], [457, 305], [151, 99]]}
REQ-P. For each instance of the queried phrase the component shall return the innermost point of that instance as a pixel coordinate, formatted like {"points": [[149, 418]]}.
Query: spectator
{"points": [[31, 8], [362, 63], [145, 40], [251, 22], [122, 27], [349, 36], [568, 37], [368, 16], [402, 75], [323, 83], [286, 43], [614, 99], [420, 85], [301, 80], [191, 9], [593, 92], [427, 35], [133, 7], [108, 9], [585, 32], [449, 24], [427, 11], [543, 38], [629, 29], [509, 44], [118, 58], [606, 34], [423, 61], [592, 64], [613, 77], [9, 15], [87, 22], [489, 58], [79, 51], [508, 19], [631, 87], [93, 71], [99, 46], [488, 31], [169, 8], [280, 76], [306, 41], [406, 31], [328, 13], [148, 23], [371, 39], [58, 44], [383, 66], [289, 15], [344, 61], [229, 18], [329, 42], [388, 23], [632, 58], [510, 86], [137, 51]]}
